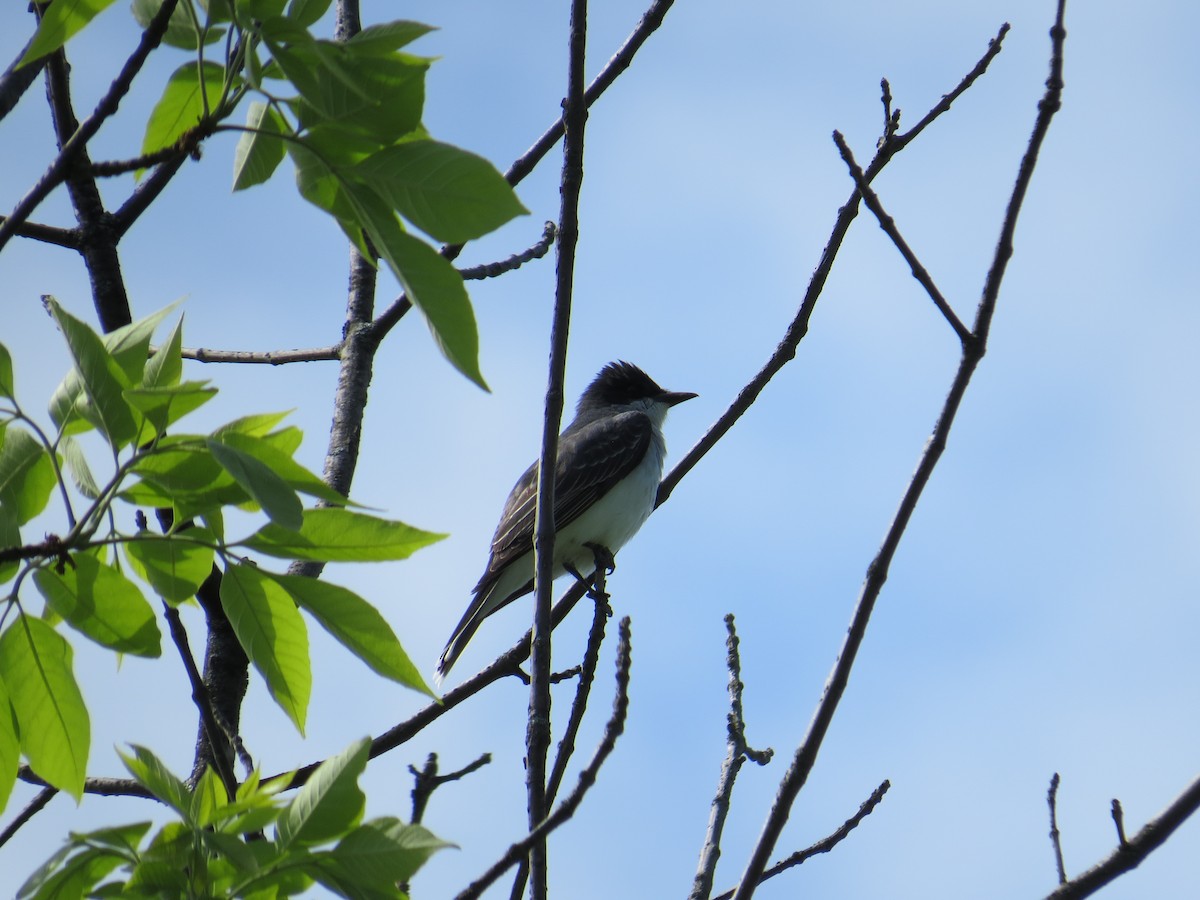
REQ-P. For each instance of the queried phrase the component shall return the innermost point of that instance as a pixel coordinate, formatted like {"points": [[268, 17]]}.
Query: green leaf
{"points": [[76, 878], [52, 719], [165, 367], [152, 773], [271, 631], [388, 36], [26, 475], [77, 467], [341, 535], [61, 21], [260, 149], [7, 388], [10, 746], [101, 603], [430, 281], [102, 377], [168, 866], [450, 194], [256, 425], [129, 346], [181, 30], [330, 802], [271, 492], [357, 625], [191, 94], [163, 406], [208, 797], [385, 851], [10, 536], [307, 12], [176, 565], [268, 452]]}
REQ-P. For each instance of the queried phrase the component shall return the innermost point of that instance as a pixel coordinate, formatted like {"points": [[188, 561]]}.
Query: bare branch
{"points": [[888, 224], [798, 328], [108, 104], [537, 734], [566, 809], [426, 780], [1130, 854], [17, 80], [1118, 816], [44, 796], [491, 270], [738, 752], [1055, 836], [825, 844], [806, 754], [263, 357]]}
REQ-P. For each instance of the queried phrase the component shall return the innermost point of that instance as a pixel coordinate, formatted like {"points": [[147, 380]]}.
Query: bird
{"points": [[606, 476]]}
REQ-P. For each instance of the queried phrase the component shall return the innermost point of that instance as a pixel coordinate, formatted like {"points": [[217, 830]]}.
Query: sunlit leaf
{"points": [[271, 631], [450, 194], [61, 21], [357, 625], [271, 492], [26, 475], [163, 406], [10, 746], [175, 565], [192, 93], [7, 388], [330, 801], [260, 149], [98, 601], [52, 719], [330, 534]]}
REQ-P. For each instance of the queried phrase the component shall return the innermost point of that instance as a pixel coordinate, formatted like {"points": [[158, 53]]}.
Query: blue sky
{"points": [[1042, 611]]}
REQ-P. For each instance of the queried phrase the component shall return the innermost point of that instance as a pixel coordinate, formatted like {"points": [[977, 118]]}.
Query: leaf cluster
{"points": [[218, 846], [348, 114], [88, 578]]}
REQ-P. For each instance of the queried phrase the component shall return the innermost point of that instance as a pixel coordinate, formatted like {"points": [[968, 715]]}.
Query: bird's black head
{"points": [[621, 383]]}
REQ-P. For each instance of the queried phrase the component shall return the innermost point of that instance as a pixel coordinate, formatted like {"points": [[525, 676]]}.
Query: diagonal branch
{"points": [[565, 810], [877, 572], [108, 104], [1130, 854], [786, 350], [888, 224]]}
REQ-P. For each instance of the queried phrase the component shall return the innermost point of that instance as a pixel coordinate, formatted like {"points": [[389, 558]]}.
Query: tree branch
{"points": [[1130, 854], [877, 572], [35, 806], [738, 752], [565, 810], [1055, 837], [108, 104], [825, 844]]}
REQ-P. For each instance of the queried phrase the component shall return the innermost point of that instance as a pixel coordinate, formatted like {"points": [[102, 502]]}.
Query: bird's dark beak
{"points": [[674, 398]]}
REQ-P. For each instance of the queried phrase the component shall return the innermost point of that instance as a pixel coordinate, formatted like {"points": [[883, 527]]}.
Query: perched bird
{"points": [[610, 461]]}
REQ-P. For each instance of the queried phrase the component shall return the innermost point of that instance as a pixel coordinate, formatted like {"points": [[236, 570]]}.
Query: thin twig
{"points": [[798, 328], [738, 751], [587, 778], [1055, 835], [426, 780], [888, 224], [1118, 816], [218, 737], [53, 176], [587, 674], [494, 269], [1129, 855], [44, 796], [825, 844], [877, 572]]}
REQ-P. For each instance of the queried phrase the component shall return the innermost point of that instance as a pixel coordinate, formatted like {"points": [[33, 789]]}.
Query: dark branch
{"points": [[426, 780], [825, 844], [877, 572], [1130, 854], [44, 796], [263, 357], [1055, 836], [491, 270], [888, 224], [566, 809]]}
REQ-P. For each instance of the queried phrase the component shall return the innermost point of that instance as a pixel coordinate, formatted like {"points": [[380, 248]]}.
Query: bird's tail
{"points": [[458, 640]]}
